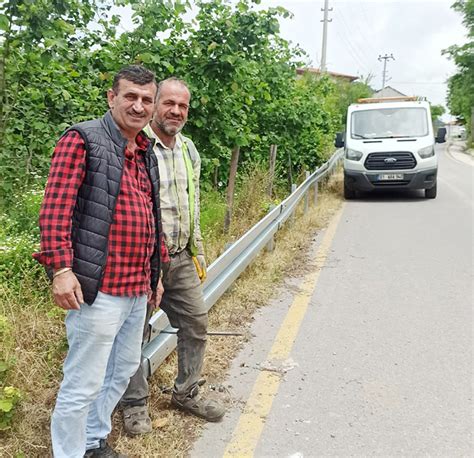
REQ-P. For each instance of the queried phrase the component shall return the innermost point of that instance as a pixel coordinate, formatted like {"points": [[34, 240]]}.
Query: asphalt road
{"points": [[381, 363]]}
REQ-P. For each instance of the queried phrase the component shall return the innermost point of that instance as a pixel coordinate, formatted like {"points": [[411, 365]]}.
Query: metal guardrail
{"points": [[227, 268]]}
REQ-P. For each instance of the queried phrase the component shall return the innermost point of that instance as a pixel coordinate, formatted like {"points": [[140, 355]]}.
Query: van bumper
{"points": [[369, 181]]}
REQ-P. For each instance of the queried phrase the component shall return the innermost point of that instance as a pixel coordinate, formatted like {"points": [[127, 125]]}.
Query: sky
{"points": [[413, 31]]}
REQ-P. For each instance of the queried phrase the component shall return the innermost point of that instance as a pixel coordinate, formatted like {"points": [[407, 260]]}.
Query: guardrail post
{"points": [[270, 246], [273, 152], [306, 197], [292, 217], [316, 187]]}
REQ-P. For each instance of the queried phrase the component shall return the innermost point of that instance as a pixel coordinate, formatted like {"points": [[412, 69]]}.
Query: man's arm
{"points": [[66, 174]]}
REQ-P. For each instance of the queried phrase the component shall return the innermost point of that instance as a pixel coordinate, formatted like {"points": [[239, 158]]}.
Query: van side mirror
{"points": [[441, 135], [339, 142]]}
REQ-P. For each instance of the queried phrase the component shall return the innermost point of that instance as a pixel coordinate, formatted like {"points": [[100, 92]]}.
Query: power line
{"points": [[353, 51], [419, 82], [357, 19]]}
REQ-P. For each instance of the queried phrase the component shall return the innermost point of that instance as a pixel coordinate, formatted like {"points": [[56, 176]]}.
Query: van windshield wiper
{"points": [[360, 136], [393, 136]]}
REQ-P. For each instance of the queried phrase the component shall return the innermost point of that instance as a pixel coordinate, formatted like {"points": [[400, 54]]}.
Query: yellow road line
{"points": [[252, 420]]}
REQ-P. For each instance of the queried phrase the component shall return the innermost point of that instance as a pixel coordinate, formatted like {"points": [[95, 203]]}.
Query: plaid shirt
{"points": [[132, 233], [174, 197]]}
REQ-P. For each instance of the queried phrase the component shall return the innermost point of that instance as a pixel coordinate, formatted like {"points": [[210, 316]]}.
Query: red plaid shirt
{"points": [[132, 233]]}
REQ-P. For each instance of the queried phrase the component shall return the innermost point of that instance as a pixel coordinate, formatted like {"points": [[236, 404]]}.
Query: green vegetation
{"points": [[57, 59], [461, 85], [437, 111], [9, 395]]}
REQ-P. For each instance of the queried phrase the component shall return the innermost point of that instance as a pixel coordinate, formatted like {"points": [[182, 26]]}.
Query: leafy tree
{"points": [[57, 58], [461, 85], [347, 93], [46, 80], [437, 111]]}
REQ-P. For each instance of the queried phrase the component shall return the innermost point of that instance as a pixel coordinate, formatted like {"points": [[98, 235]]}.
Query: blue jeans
{"points": [[104, 352]]}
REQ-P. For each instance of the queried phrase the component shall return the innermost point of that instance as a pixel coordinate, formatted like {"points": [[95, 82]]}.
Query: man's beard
{"points": [[170, 130]]}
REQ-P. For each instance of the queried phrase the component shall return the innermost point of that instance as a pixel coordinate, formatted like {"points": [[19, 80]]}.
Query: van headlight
{"points": [[428, 151], [353, 155]]}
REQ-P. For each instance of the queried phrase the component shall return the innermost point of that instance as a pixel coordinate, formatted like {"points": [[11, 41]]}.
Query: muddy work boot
{"points": [[136, 420], [193, 403]]}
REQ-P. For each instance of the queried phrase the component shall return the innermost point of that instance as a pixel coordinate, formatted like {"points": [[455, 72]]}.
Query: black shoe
{"points": [[104, 451]]}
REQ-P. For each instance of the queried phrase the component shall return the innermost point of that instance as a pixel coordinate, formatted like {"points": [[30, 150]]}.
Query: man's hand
{"points": [[155, 297], [67, 291], [201, 267]]}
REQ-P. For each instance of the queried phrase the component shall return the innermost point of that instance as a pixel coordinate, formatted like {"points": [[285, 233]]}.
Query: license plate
{"points": [[390, 176]]}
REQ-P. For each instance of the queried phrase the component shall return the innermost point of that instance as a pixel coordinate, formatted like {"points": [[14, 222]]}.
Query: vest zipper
{"points": [[102, 274]]}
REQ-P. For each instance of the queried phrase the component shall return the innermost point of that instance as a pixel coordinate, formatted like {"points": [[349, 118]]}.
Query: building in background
{"points": [[334, 75], [388, 91]]}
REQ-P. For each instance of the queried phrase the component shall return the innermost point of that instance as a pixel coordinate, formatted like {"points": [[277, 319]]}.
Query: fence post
{"points": [[234, 162], [273, 152], [316, 187], [215, 177], [292, 217], [290, 171], [306, 196]]}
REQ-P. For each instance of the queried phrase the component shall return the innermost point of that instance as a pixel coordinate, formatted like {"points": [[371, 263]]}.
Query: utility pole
{"points": [[325, 34], [384, 74]]}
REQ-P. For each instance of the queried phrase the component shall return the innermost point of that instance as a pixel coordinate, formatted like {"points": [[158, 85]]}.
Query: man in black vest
{"points": [[101, 244]]}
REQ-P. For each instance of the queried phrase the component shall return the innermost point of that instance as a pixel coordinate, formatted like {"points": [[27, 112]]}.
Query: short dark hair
{"points": [[172, 79], [136, 74]]}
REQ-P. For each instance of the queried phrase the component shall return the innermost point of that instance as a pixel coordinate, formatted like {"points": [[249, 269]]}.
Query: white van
{"points": [[389, 143]]}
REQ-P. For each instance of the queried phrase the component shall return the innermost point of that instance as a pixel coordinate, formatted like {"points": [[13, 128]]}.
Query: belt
{"points": [[177, 253]]}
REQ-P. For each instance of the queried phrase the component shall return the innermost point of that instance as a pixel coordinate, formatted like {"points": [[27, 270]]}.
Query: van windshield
{"points": [[389, 123]]}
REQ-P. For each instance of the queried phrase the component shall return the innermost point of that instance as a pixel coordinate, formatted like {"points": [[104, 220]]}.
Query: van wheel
{"points": [[431, 193], [348, 192]]}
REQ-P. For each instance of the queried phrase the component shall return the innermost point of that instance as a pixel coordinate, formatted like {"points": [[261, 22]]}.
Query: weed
{"points": [[9, 398]]}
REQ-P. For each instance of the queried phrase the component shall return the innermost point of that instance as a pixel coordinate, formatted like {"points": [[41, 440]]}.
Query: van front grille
{"points": [[394, 160]]}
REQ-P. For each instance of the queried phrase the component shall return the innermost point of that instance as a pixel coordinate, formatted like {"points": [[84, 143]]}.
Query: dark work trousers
{"points": [[183, 303]]}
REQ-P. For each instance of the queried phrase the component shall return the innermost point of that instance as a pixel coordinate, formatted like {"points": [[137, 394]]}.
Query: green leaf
{"points": [[6, 405], [4, 23], [145, 57], [45, 58], [168, 66]]}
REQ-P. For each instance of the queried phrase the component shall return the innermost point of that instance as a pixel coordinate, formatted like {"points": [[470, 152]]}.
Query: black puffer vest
{"points": [[97, 198]]}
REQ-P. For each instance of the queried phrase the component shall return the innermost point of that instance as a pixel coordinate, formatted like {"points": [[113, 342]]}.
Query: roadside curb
{"points": [[458, 151]]}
